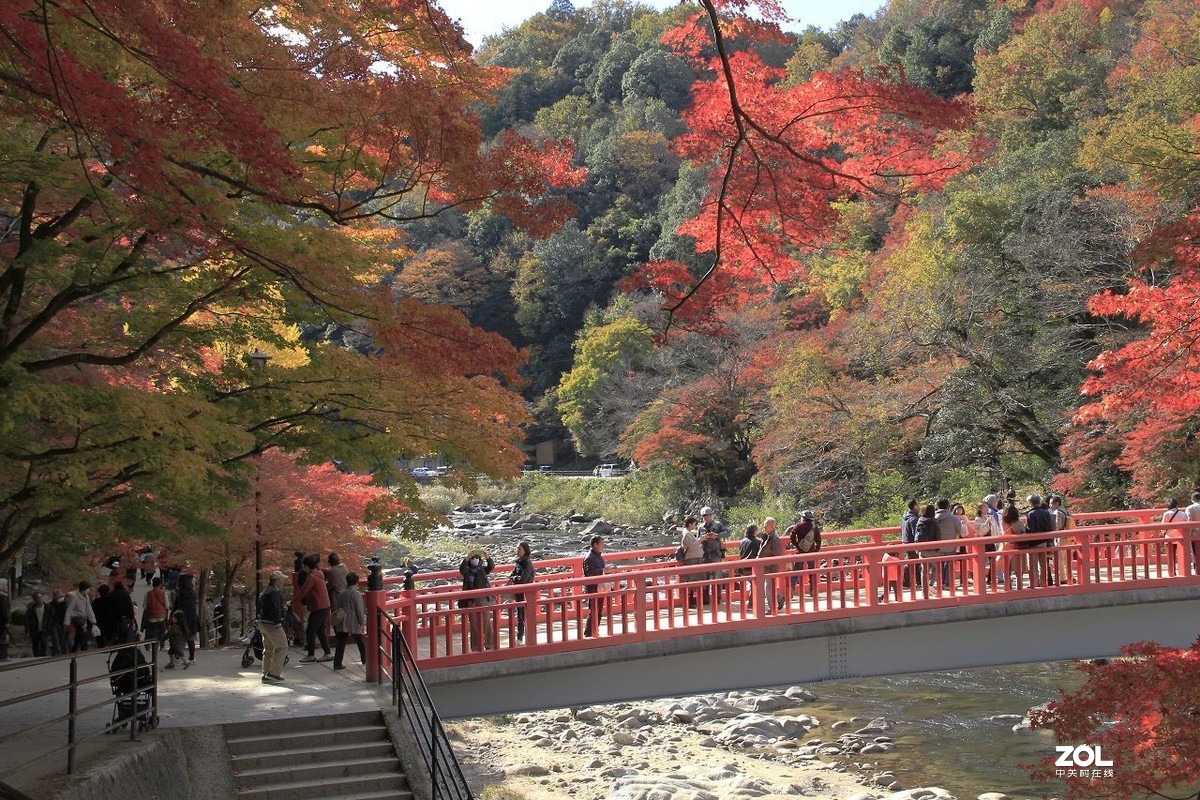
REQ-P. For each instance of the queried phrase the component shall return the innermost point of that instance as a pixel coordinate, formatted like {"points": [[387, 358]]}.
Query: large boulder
{"points": [[598, 528]]}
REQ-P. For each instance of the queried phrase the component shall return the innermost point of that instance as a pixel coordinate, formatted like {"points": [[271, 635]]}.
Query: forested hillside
{"points": [[936, 234], [936, 251]]}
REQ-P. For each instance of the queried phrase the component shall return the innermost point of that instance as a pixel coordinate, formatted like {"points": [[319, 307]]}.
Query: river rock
{"points": [[993, 796], [799, 694], [874, 748], [761, 703], [877, 725], [532, 770], [624, 738], [1005, 718], [767, 727], [586, 715], [597, 528]]}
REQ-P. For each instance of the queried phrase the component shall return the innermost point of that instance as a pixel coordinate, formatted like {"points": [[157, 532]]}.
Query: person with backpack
{"points": [[908, 535], [926, 534], [1063, 558], [805, 538]]}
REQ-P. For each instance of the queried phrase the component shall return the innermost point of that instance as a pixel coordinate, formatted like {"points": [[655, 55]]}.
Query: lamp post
{"points": [[258, 360]]}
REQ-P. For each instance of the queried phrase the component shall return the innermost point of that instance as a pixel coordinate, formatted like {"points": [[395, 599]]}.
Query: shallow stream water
{"points": [[942, 728]]}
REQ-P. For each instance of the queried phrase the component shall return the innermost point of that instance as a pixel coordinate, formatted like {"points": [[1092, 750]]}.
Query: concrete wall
{"points": [[1022, 631], [405, 740], [179, 763]]}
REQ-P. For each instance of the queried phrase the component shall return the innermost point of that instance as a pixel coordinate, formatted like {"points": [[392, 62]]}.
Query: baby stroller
{"points": [[254, 646], [130, 706]]}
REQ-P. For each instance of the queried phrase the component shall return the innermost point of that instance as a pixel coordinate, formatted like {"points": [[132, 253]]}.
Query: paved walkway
{"points": [[216, 690]]}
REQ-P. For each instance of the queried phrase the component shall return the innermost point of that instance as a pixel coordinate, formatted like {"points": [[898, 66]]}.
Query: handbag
{"points": [[339, 618]]}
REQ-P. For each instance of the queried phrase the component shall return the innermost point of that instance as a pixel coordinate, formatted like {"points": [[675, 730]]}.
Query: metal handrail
{"points": [[411, 696], [147, 716]]}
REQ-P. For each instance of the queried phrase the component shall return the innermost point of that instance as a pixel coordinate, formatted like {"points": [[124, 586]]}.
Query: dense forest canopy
{"points": [[934, 251], [953, 238]]}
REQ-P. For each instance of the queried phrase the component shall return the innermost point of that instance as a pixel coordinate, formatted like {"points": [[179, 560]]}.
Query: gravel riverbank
{"points": [[757, 744]]}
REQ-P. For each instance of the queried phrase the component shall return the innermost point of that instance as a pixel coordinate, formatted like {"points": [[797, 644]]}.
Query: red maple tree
{"points": [[1142, 711], [781, 154]]}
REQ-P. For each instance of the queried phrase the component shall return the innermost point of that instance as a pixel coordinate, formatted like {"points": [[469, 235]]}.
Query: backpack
{"points": [[926, 530], [679, 554], [808, 541]]}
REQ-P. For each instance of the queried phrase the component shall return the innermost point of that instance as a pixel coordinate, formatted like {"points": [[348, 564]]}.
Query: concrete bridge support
{"points": [[1023, 631]]}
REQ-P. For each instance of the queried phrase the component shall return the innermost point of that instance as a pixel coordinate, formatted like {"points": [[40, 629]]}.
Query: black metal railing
{"points": [[411, 696], [133, 698]]}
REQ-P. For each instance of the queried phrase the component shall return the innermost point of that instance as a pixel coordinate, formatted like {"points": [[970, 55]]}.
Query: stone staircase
{"points": [[342, 756]]}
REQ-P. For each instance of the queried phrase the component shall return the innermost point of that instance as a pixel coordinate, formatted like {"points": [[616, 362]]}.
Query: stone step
{"points": [[272, 727], [304, 755], [311, 740], [393, 785], [384, 795], [316, 771]]}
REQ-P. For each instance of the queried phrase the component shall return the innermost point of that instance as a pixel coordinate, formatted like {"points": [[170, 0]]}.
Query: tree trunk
{"points": [[206, 641]]}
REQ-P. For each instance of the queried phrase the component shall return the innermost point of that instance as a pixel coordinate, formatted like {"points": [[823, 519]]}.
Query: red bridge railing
{"points": [[645, 595]]}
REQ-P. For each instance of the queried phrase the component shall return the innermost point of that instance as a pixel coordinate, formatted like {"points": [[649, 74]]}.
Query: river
{"points": [[943, 729]]}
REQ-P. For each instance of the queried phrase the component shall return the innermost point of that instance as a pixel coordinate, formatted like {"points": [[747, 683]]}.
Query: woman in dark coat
{"points": [[475, 569], [522, 573], [185, 601]]}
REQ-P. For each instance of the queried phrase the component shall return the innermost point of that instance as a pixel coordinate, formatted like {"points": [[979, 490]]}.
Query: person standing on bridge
{"points": [[1038, 520], [805, 538], [693, 553], [593, 566], [522, 573], [475, 569], [747, 549], [772, 547], [1193, 513], [711, 534]]}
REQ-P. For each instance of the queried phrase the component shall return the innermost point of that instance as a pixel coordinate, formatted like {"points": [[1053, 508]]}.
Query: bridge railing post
{"points": [[979, 564], [408, 623], [873, 577], [1087, 556], [374, 603], [760, 591]]}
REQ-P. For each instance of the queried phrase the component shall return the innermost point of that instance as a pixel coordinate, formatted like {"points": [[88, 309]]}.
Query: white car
{"points": [[610, 471], [424, 472]]}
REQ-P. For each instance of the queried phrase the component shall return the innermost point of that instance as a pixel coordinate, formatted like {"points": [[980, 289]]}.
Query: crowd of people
{"points": [[927, 531], [325, 599], [107, 614]]}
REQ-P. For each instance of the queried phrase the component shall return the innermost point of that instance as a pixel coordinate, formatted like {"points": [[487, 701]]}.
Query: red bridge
{"points": [[649, 607]]}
